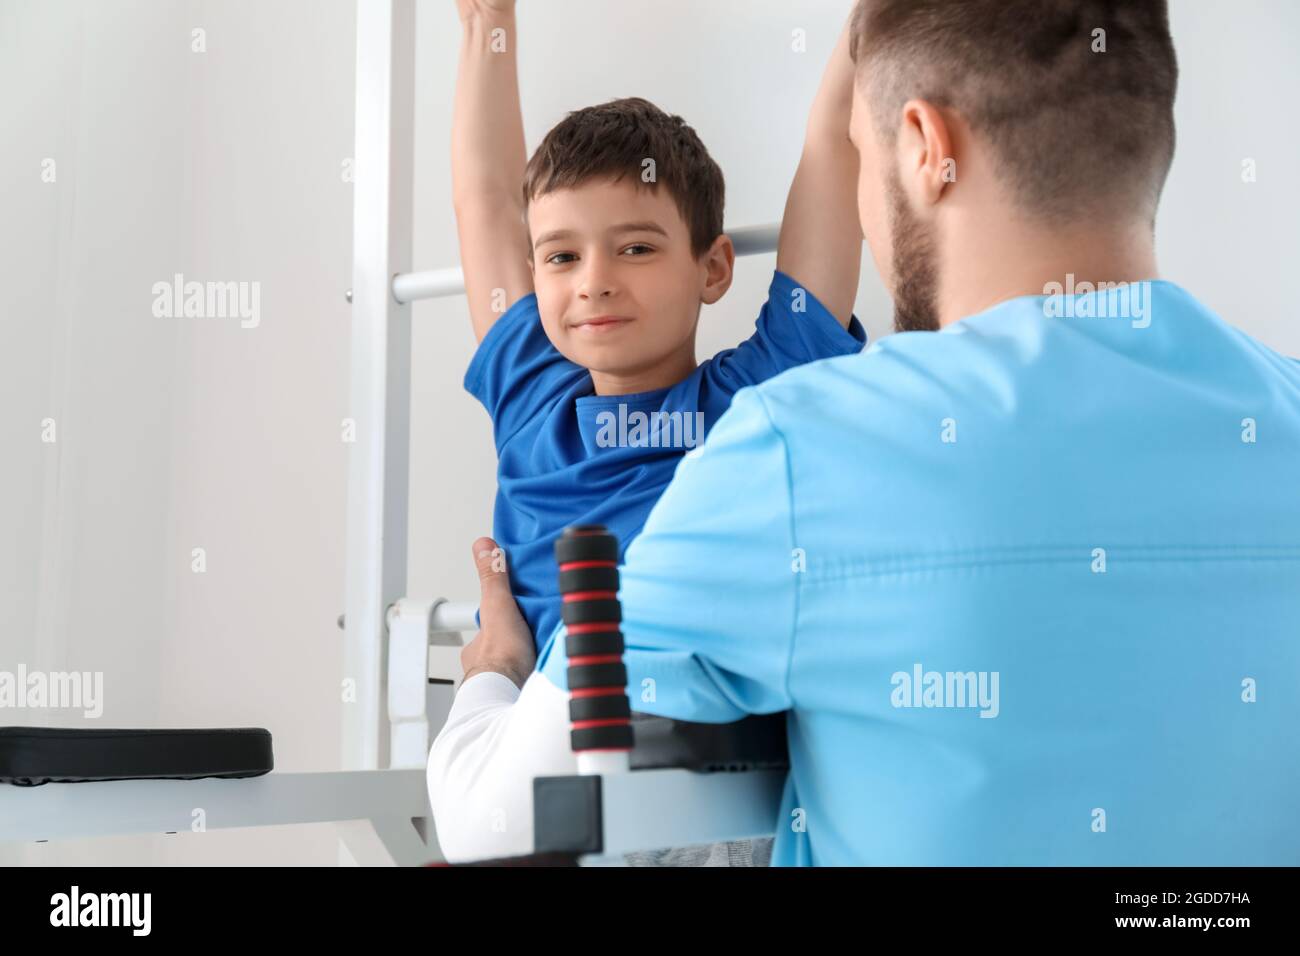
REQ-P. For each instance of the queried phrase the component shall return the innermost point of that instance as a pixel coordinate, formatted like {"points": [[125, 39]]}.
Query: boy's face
{"points": [[617, 286]]}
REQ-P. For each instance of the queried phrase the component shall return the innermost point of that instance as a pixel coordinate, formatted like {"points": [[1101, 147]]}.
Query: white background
{"points": [[227, 166]]}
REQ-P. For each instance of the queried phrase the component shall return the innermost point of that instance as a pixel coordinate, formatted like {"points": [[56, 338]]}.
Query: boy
{"points": [[604, 258]]}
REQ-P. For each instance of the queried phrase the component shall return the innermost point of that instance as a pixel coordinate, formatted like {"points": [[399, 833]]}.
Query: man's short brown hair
{"points": [[613, 140], [1071, 126]]}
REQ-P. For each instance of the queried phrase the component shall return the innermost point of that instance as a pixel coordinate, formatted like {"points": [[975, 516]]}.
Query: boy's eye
{"points": [[564, 258]]}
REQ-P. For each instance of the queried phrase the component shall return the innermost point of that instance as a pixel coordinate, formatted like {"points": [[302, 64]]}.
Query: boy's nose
{"points": [[596, 282]]}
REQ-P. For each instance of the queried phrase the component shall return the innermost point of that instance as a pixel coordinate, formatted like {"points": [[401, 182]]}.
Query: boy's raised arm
{"points": [[821, 237], [487, 162]]}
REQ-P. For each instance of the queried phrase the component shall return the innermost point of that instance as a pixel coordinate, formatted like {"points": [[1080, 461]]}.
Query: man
{"points": [[1024, 577]]}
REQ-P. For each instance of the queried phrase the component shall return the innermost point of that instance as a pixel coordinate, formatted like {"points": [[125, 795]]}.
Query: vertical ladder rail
{"points": [[380, 387]]}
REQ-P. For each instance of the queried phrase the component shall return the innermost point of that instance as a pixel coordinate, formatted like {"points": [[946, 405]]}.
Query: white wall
{"points": [[178, 433], [226, 165], [1234, 244]]}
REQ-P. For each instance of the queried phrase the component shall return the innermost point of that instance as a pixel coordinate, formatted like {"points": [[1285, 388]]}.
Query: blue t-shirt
{"points": [[568, 456]]}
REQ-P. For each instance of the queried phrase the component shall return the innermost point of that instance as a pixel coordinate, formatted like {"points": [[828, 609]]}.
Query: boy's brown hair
{"points": [[1076, 97], [613, 140]]}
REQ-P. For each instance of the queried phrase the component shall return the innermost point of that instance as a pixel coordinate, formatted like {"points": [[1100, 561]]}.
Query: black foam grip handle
{"points": [[594, 676], [611, 737], [602, 707], [598, 707], [602, 578], [596, 642], [586, 542], [592, 610]]}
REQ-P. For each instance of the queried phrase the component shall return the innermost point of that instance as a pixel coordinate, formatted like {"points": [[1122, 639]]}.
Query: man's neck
{"points": [[1013, 259]]}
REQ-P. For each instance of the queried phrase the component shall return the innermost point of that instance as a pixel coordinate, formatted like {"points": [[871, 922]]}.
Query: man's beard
{"points": [[914, 265]]}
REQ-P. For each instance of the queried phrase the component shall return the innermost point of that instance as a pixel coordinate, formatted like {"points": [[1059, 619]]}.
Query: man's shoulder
{"points": [[910, 367], [1010, 362]]}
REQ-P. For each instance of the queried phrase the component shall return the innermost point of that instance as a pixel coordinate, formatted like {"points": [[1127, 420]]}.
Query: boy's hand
{"points": [[470, 7], [504, 644]]}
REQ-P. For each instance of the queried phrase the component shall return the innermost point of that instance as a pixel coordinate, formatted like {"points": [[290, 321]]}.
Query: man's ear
{"points": [[718, 263], [925, 152]]}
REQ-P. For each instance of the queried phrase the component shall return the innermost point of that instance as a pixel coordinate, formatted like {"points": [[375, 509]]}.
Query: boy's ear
{"points": [[718, 265]]}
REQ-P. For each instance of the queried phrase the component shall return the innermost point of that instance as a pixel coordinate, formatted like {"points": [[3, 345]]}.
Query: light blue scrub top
{"points": [[1102, 512]]}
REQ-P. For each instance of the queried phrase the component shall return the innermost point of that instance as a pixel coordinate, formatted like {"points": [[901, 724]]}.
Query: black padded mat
{"points": [[31, 756]]}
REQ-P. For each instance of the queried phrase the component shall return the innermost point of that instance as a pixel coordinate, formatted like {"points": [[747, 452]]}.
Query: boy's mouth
{"points": [[599, 324]]}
